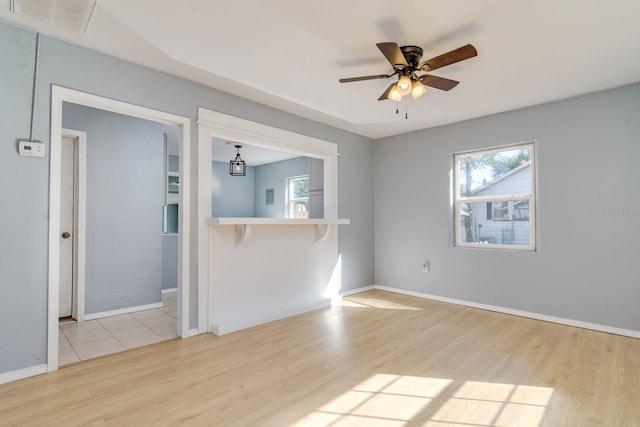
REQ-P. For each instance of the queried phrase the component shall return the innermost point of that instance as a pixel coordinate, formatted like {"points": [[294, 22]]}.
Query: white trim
{"points": [[244, 225], [193, 332], [19, 374], [274, 221], [58, 96], [169, 290], [553, 319], [219, 125], [125, 310], [234, 327], [202, 231], [261, 135], [357, 291]]}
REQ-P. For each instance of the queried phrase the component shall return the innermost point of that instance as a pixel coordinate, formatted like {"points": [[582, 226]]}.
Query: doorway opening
{"points": [[63, 95]]}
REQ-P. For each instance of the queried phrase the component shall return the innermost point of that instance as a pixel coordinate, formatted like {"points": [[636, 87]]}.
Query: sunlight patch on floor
{"points": [[492, 404], [396, 400]]}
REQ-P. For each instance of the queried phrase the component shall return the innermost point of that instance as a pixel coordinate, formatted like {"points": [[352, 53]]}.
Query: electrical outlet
{"points": [[425, 267]]}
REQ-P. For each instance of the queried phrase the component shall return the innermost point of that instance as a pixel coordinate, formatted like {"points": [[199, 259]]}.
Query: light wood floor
{"points": [[381, 359]]}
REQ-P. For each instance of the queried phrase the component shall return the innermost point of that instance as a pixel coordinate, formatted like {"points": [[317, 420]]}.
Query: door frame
{"points": [[79, 222], [58, 96]]}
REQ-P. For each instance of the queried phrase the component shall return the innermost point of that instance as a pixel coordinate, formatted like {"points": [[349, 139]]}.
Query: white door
{"points": [[67, 210]]}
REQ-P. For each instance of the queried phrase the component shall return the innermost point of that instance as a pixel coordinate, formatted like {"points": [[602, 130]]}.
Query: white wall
{"points": [[588, 212], [279, 271]]}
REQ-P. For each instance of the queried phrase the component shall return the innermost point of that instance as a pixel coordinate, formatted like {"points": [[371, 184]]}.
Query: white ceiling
{"points": [[223, 151], [289, 54]]}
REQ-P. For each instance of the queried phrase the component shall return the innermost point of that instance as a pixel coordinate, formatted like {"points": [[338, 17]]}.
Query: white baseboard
{"points": [[553, 319], [19, 374], [192, 333], [91, 316], [227, 329], [169, 290], [357, 291]]}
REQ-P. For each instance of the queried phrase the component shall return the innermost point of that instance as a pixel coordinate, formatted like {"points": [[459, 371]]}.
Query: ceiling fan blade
{"points": [[394, 55], [357, 79], [456, 55], [438, 82], [385, 94]]}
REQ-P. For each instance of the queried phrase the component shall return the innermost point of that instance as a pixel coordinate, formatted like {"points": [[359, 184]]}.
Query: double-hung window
{"points": [[298, 197], [494, 198]]}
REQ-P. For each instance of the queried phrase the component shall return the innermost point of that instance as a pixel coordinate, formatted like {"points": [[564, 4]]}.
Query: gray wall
{"points": [[588, 208], [231, 195], [23, 212], [169, 261], [24, 227], [244, 196], [274, 175], [124, 193]]}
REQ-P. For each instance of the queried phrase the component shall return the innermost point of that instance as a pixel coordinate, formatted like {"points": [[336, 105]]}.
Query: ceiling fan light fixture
{"points": [[418, 89], [404, 85], [394, 94]]}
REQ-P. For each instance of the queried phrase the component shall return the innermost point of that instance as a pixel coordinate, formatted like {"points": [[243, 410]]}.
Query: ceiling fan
{"points": [[406, 64]]}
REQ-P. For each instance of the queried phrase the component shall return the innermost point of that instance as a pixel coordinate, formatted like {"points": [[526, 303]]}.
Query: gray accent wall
{"points": [[274, 175], [231, 195], [124, 191], [588, 212], [23, 212], [24, 226], [169, 261]]}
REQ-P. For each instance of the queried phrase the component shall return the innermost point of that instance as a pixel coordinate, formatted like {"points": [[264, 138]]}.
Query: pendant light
{"points": [[237, 166]]}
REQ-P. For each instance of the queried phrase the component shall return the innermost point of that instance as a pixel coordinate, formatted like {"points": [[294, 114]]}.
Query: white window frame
{"points": [[458, 200], [291, 200]]}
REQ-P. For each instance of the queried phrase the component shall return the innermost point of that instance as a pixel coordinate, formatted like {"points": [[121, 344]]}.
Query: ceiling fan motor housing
{"points": [[412, 54]]}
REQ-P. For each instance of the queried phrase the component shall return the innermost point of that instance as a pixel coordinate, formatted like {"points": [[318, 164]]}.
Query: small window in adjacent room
{"points": [[495, 198], [298, 197]]}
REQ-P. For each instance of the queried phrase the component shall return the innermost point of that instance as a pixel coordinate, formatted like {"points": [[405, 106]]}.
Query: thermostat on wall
{"points": [[31, 149]]}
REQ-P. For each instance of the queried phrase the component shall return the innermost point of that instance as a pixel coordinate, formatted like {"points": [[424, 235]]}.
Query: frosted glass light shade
{"points": [[404, 85], [418, 89], [394, 94]]}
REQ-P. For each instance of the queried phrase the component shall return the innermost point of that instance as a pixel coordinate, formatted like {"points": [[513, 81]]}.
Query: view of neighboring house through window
{"points": [[298, 197], [495, 198]]}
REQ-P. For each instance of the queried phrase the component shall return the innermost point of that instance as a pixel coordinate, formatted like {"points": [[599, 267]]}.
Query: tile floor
{"points": [[94, 338]]}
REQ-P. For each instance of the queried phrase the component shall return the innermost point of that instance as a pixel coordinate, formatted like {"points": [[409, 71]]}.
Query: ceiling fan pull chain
{"points": [[406, 109], [397, 109]]}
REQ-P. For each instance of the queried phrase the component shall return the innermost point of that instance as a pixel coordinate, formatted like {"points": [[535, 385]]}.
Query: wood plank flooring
{"points": [[381, 359]]}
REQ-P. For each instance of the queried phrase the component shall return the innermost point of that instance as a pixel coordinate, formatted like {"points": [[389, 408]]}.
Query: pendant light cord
{"points": [[33, 92]]}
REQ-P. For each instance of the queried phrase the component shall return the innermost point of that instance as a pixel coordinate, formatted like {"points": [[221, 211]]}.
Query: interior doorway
{"points": [[56, 257]]}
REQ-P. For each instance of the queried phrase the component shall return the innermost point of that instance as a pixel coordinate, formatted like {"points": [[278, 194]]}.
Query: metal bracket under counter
{"points": [[244, 225]]}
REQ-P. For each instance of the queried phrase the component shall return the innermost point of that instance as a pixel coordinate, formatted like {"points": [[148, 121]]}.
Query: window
{"points": [[298, 197], [494, 193]]}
